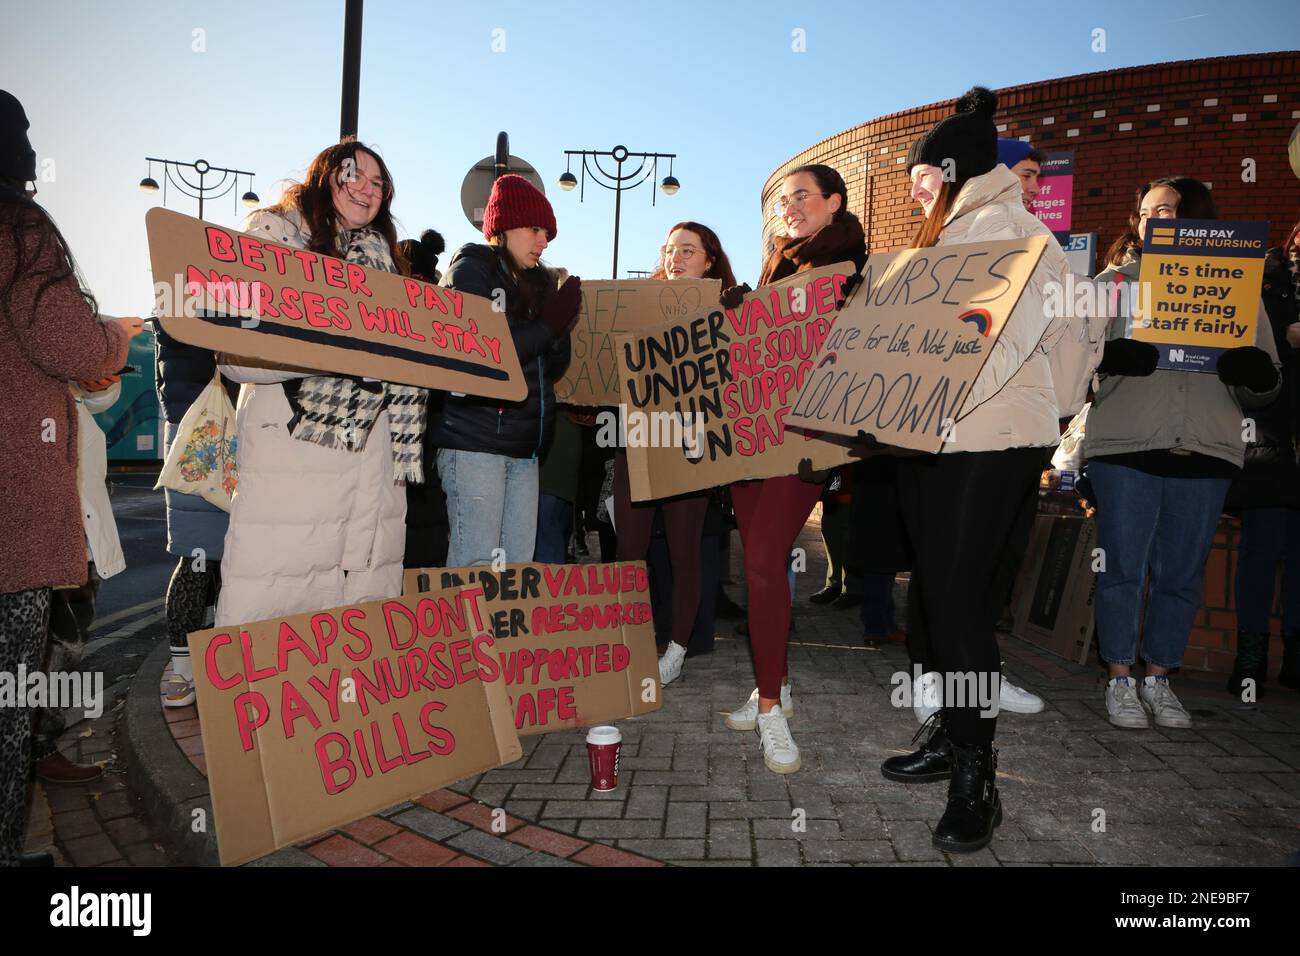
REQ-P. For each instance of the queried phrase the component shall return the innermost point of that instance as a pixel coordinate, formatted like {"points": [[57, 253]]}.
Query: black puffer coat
{"points": [[514, 429], [182, 372], [1270, 478]]}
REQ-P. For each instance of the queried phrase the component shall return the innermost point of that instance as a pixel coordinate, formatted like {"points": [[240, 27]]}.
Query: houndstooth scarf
{"points": [[338, 412]]}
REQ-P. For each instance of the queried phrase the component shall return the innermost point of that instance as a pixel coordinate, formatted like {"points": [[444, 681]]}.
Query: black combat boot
{"points": [[931, 763], [974, 807], [1251, 662]]}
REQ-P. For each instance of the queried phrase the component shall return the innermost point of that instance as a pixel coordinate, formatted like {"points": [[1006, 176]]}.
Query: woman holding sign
{"points": [[488, 450], [318, 517], [960, 506], [770, 512], [1163, 446], [693, 251]]}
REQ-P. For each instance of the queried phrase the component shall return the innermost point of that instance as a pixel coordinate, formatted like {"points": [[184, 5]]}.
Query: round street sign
{"points": [[476, 188]]}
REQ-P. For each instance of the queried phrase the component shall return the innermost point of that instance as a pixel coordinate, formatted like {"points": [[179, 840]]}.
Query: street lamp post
{"points": [[174, 173], [646, 168]]}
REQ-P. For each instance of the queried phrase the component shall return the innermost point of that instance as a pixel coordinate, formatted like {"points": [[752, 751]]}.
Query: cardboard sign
{"points": [[609, 308], [315, 720], [232, 292], [1056, 590], [912, 338], [705, 401], [574, 644], [1054, 204], [1201, 282]]}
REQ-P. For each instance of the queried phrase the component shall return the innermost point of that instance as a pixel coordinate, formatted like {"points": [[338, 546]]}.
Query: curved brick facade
{"points": [[1195, 117]]}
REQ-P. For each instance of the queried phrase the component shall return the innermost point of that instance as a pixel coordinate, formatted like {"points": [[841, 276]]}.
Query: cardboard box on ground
{"points": [[574, 643], [613, 307], [247, 296], [910, 341], [711, 394], [1057, 587]]}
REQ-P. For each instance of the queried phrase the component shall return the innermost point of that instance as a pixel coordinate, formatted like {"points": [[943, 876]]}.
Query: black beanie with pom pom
{"points": [[423, 255], [969, 137]]}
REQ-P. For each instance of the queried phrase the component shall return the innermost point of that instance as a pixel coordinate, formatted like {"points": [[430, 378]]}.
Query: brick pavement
{"points": [[1076, 790]]}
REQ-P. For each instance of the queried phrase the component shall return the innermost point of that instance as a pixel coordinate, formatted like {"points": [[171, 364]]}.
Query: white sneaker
{"points": [[1018, 700], [779, 752], [179, 693], [670, 665], [1123, 706], [927, 695], [1158, 697], [747, 716]]}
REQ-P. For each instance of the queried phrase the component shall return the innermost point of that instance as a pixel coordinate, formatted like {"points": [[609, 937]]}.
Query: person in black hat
{"points": [[17, 158]]}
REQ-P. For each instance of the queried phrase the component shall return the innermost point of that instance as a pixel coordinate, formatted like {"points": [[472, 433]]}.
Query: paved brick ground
{"points": [[1076, 790]]}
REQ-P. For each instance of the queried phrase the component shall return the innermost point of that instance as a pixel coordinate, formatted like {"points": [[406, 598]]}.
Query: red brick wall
{"points": [[1234, 108]]}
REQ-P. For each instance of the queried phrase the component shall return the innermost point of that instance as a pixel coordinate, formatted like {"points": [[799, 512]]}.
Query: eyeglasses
{"points": [[684, 253], [356, 185], [785, 203]]}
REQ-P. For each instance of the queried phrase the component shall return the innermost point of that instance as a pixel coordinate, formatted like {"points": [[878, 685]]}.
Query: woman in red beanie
{"points": [[488, 450], [771, 512]]}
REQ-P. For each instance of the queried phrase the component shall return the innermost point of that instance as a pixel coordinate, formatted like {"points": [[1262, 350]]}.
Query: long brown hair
{"points": [[313, 199], [721, 268], [535, 285], [1194, 202], [932, 225]]}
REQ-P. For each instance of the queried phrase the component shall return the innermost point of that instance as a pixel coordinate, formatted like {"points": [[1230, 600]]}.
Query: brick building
{"points": [[1196, 117]]}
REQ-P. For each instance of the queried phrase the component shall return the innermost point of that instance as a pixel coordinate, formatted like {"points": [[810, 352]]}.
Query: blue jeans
{"points": [[1165, 525], [1268, 535], [491, 506], [877, 608], [554, 526]]}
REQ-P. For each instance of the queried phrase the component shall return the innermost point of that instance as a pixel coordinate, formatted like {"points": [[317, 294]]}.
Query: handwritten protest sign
{"points": [[1201, 281], [573, 643], [609, 308], [912, 338], [231, 292], [315, 720], [706, 400]]}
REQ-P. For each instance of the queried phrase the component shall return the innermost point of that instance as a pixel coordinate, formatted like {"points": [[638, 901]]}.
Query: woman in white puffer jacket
{"points": [[961, 506], [315, 524]]}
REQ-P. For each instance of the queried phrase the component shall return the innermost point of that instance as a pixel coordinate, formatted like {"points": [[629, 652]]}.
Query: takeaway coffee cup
{"points": [[603, 745]]}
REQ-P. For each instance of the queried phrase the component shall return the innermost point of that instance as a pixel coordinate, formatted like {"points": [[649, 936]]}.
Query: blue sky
{"points": [[106, 83]]}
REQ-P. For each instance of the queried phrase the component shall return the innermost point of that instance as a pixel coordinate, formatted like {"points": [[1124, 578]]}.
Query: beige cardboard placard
{"points": [[232, 292], [911, 340], [1057, 587], [706, 401], [613, 307], [574, 643], [315, 720]]}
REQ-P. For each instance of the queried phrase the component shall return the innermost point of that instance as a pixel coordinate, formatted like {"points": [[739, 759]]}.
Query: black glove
{"points": [[1128, 357], [561, 309], [1248, 367], [809, 474], [868, 440], [851, 283], [733, 296]]}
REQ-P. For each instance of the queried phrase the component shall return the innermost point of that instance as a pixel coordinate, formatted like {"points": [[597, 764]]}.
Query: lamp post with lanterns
{"points": [[647, 167], [174, 172]]}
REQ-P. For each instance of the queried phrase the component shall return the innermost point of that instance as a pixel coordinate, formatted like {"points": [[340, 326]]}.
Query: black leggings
{"points": [[961, 512], [189, 594]]}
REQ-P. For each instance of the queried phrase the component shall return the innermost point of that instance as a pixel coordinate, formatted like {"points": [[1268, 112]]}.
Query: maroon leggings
{"points": [[770, 512], [684, 527]]}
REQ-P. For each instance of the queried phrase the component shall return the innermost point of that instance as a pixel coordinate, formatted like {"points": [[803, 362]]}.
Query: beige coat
{"points": [[1039, 368], [310, 527]]}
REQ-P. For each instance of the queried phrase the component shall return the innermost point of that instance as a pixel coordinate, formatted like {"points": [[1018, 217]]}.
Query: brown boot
{"points": [[58, 769]]}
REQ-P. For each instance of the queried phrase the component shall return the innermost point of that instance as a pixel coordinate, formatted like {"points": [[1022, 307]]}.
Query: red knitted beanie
{"points": [[515, 203]]}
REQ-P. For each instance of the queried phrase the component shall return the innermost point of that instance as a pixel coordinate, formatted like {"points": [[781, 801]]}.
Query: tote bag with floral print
{"points": [[201, 460]]}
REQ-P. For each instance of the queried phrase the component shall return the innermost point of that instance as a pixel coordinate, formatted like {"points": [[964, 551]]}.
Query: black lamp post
{"points": [[174, 172], [646, 168]]}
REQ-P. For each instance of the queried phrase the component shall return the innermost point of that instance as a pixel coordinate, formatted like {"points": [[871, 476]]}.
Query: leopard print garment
{"points": [[24, 617]]}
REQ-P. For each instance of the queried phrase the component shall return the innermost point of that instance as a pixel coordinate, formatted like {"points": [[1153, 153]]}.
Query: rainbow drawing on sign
{"points": [[979, 317]]}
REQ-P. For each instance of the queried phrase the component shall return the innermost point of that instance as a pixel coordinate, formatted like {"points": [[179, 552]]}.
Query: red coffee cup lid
{"points": [[604, 735]]}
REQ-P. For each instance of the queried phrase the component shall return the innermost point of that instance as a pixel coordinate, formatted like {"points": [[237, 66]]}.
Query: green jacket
{"points": [[1183, 411]]}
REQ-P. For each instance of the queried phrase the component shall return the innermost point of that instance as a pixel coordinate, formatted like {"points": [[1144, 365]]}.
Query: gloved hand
{"points": [[868, 440], [1249, 367], [733, 296], [1128, 357], [809, 474], [851, 283], [1087, 497], [561, 310]]}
